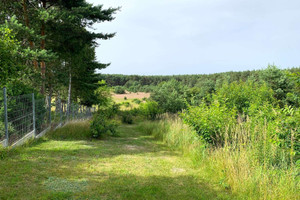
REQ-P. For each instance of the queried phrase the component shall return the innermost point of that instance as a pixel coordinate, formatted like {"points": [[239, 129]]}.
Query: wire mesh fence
{"points": [[26, 116], [19, 116], [42, 121]]}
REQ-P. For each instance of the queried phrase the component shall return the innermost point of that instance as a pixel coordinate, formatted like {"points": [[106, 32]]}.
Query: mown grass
{"points": [[66, 164], [235, 166]]}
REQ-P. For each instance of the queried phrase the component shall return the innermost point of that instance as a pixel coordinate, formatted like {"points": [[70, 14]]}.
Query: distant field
{"points": [[119, 98], [138, 95]]}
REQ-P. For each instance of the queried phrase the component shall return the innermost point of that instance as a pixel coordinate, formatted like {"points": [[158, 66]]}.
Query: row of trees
{"points": [[193, 88], [148, 83], [48, 46]]}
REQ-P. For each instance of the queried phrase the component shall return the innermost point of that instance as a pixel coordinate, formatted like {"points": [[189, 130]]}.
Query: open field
{"points": [[119, 98], [66, 165], [138, 95]]}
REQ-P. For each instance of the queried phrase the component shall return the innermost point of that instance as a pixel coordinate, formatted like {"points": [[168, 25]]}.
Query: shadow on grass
{"points": [[154, 187], [62, 159]]}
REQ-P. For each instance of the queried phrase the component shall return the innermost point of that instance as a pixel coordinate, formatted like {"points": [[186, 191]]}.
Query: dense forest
{"points": [[134, 83]]}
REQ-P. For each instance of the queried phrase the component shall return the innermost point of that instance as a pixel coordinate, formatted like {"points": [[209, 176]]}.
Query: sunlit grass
{"points": [[66, 164]]}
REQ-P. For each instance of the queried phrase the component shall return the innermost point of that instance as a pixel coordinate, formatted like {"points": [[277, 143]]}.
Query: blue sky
{"points": [[165, 37]]}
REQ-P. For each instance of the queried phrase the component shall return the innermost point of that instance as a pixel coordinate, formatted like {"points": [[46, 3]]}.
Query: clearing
{"points": [[131, 166], [130, 95]]}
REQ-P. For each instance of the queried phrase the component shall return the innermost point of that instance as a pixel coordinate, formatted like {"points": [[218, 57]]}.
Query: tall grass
{"points": [[250, 167], [78, 130]]}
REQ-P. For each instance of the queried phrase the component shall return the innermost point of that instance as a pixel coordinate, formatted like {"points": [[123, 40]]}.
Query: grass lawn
{"points": [[66, 165]]}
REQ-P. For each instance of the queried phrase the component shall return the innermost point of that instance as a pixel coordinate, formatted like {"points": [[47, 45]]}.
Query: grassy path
{"points": [[132, 166]]}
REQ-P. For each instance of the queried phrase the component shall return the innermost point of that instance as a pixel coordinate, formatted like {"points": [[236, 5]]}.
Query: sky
{"points": [[168, 37]]}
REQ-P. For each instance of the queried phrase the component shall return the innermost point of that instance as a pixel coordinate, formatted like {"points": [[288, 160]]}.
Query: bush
{"points": [[241, 167], [102, 124], [125, 98], [119, 90], [170, 96], [210, 121], [126, 104], [127, 118], [279, 82], [150, 109], [137, 101], [249, 105]]}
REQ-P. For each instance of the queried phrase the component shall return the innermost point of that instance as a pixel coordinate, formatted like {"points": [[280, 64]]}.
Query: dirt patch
{"points": [[138, 95], [178, 170], [132, 147]]}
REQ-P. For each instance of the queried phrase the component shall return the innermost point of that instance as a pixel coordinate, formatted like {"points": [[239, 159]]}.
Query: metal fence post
{"points": [[60, 111], [33, 114], [5, 117], [73, 111], [49, 109]]}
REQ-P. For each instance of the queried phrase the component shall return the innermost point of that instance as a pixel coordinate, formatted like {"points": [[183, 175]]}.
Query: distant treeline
{"points": [[137, 83]]}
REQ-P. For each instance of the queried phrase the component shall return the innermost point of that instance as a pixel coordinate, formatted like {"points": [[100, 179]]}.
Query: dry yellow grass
{"points": [[128, 95]]}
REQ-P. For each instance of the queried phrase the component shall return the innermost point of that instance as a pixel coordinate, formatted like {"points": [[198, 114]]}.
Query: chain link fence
{"points": [[26, 116]]}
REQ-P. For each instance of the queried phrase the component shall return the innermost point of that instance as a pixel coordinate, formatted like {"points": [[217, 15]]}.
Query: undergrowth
{"points": [[79, 130], [236, 166]]}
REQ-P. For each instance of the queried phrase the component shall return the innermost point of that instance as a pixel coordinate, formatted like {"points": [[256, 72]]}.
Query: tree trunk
{"points": [[43, 64], [26, 19], [69, 95]]}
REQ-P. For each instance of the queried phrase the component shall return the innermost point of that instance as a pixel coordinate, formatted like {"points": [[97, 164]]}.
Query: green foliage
{"points": [[150, 109], [126, 117], [9, 48], [125, 98], [247, 103], [210, 121], [103, 94], [278, 81], [283, 82], [293, 97], [126, 104], [243, 96], [241, 165], [102, 124], [170, 96], [53, 34], [137, 101], [119, 90]]}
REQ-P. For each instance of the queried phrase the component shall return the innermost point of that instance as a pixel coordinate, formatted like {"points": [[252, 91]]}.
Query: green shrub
{"points": [[243, 95], [279, 82], [210, 121], [170, 96], [102, 124], [249, 105], [137, 101], [125, 98], [119, 90], [127, 117], [150, 109], [126, 104], [135, 112], [243, 166]]}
